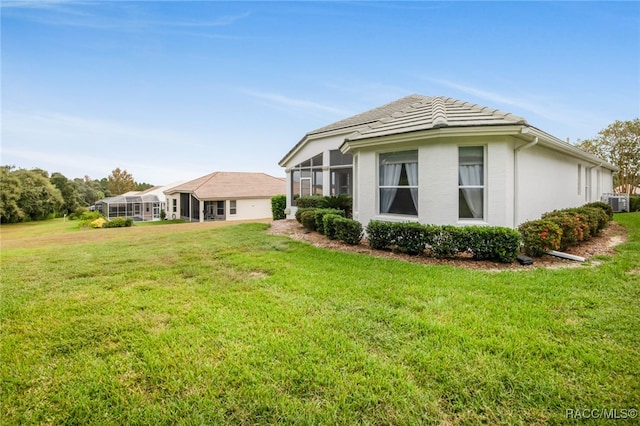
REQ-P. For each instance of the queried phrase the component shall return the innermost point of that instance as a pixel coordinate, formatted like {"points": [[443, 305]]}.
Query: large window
{"points": [[471, 182], [398, 182]]}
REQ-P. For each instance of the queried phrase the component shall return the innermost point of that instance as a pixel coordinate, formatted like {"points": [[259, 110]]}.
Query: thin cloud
{"points": [[278, 100]]}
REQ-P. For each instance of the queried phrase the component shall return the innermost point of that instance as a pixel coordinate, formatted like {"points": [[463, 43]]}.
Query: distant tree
{"points": [[619, 144], [120, 181], [141, 186], [39, 198], [89, 190], [70, 192], [10, 191]]}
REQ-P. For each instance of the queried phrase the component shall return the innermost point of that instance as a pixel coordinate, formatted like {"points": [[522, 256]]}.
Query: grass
{"points": [[186, 324]]}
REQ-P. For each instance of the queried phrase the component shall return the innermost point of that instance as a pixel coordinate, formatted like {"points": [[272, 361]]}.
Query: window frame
{"points": [[483, 186], [413, 194]]}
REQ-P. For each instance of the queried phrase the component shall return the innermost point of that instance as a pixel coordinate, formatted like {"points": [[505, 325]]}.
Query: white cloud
{"points": [[280, 101]]}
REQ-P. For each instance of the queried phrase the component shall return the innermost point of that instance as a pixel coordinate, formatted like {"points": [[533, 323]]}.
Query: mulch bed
{"points": [[602, 244]]}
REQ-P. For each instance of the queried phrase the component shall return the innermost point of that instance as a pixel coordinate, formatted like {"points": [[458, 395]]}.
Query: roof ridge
{"points": [[482, 108]]}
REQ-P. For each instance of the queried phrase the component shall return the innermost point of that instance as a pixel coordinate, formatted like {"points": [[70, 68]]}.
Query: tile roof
{"points": [[436, 112], [371, 116], [411, 113], [231, 185]]}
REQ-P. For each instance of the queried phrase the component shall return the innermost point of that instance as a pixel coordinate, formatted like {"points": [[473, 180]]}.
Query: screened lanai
{"points": [[140, 207]]}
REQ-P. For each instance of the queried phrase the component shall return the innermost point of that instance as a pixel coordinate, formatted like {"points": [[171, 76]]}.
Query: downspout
{"points": [[516, 181]]}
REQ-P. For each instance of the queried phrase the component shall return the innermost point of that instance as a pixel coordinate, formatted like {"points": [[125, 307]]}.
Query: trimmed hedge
{"points": [[313, 201], [300, 210], [348, 230], [634, 203], [118, 222], [329, 225], [278, 205], [308, 219], [540, 236], [484, 242], [602, 206], [319, 215]]}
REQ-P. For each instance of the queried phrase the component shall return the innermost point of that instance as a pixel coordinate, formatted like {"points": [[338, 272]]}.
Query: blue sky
{"points": [[171, 91]]}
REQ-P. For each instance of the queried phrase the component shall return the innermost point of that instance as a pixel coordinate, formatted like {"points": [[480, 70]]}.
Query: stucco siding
{"points": [[258, 208], [550, 180]]}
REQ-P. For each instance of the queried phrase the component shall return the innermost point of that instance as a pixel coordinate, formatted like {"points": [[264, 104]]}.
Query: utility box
{"points": [[618, 202]]}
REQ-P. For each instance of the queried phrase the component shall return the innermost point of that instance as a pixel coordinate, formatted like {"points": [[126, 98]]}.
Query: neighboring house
{"points": [[138, 205], [224, 196], [442, 161]]}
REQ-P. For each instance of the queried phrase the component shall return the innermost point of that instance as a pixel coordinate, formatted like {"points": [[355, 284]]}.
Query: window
{"points": [[398, 182], [579, 179], [175, 205], [220, 208], [471, 182], [232, 207]]}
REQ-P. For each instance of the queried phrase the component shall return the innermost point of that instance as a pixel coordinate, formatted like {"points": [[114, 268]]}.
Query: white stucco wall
{"points": [[255, 208], [552, 180]]}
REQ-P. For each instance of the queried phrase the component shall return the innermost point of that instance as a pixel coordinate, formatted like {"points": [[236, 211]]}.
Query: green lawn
{"points": [[195, 325]]}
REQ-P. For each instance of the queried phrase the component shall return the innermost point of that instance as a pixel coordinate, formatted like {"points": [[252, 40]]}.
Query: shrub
{"points": [[87, 218], [634, 203], [380, 235], [314, 201], [573, 226], [494, 243], [320, 213], [445, 241], [308, 219], [540, 236], [329, 225], [602, 206], [163, 215], [342, 202], [118, 222], [594, 218], [77, 213], [278, 205], [348, 230], [301, 210], [410, 237], [98, 223]]}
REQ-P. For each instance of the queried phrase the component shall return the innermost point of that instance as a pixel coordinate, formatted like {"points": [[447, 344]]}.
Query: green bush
{"points": [[308, 219], [380, 235], [602, 206], [300, 210], [634, 203], [87, 217], [118, 222], [314, 201], [342, 202], [540, 236], [329, 225], [494, 243], [77, 213], [410, 237], [594, 217], [445, 241], [163, 214], [348, 230], [320, 213], [278, 205]]}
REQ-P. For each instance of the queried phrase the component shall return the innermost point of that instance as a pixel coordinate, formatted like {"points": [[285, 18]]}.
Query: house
{"points": [[443, 161], [138, 205], [224, 196]]}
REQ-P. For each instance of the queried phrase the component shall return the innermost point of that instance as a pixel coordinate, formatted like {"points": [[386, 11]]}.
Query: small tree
{"points": [[120, 181]]}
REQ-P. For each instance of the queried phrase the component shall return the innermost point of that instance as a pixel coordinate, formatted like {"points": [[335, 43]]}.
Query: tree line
{"points": [[27, 195]]}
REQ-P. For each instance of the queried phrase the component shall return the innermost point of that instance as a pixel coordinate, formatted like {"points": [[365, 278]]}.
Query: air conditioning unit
{"points": [[618, 202]]}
